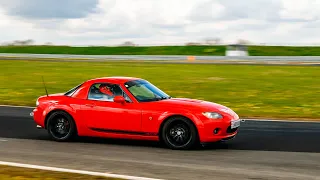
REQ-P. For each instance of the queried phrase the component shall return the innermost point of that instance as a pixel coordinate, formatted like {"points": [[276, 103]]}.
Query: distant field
{"points": [[252, 91], [162, 50], [15, 173], [283, 51]]}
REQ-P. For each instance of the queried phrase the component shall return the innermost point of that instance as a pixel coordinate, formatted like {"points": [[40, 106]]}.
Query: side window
{"points": [[118, 92], [106, 92], [71, 91]]}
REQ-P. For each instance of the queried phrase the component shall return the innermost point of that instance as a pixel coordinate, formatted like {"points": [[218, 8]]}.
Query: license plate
{"points": [[235, 123]]}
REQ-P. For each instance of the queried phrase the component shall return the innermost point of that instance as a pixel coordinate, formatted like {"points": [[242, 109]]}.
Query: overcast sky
{"points": [[108, 22]]}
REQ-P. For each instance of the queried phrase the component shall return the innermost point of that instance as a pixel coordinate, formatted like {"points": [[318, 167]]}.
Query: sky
{"points": [[159, 22]]}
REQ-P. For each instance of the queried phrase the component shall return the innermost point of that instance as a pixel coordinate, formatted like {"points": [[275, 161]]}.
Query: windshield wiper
{"points": [[165, 97], [156, 99]]}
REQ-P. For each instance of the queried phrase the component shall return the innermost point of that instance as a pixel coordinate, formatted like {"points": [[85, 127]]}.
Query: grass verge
{"points": [[162, 50], [17, 173], [250, 90]]}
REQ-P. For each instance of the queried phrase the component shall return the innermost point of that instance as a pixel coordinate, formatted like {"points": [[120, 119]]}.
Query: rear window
{"points": [[71, 91]]}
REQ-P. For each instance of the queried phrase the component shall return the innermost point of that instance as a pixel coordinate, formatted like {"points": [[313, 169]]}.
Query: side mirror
{"points": [[119, 99]]}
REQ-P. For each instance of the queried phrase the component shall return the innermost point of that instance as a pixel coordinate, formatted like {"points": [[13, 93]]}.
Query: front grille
{"points": [[229, 130]]}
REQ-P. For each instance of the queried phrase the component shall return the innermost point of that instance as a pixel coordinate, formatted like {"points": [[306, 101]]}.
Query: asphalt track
{"points": [[262, 150]]}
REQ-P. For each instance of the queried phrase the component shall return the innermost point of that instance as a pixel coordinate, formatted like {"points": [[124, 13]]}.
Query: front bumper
{"points": [[219, 130]]}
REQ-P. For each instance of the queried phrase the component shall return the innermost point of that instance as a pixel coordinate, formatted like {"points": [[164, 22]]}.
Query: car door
{"points": [[102, 114]]}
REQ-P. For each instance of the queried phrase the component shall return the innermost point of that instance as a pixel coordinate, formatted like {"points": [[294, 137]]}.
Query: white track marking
{"points": [[11, 106], [74, 171], [3, 140], [280, 120]]}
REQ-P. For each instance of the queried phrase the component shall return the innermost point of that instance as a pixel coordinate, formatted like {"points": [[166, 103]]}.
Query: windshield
{"points": [[144, 91]]}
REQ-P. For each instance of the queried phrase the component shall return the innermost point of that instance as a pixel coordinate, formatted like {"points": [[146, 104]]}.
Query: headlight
{"points": [[37, 103], [212, 115]]}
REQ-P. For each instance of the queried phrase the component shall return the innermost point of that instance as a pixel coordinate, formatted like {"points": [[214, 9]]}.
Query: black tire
{"points": [[179, 133], [61, 126]]}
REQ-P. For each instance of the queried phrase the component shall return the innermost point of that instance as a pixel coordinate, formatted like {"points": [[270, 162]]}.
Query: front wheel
{"points": [[179, 133], [60, 126]]}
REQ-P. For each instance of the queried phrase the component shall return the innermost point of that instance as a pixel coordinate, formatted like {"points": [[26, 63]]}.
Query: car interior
{"points": [[105, 92]]}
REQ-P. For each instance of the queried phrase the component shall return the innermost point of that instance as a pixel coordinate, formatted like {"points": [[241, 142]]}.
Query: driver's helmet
{"points": [[105, 89]]}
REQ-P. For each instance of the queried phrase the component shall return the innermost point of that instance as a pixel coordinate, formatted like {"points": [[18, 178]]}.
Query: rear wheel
{"points": [[60, 126], [179, 133]]}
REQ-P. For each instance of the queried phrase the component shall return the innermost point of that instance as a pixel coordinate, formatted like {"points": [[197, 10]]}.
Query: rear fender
{"points": [[58, 107]]}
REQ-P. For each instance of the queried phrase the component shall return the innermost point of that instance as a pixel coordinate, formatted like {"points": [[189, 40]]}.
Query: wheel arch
{"points": [[176, 115], [58, 110]]}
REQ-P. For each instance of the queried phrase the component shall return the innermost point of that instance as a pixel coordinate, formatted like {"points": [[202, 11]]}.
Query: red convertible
{"points": [[133, 108]]}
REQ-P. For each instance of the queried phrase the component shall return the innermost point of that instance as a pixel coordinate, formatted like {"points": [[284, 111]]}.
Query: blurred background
{"points": [[259, 57], [194, 50]]}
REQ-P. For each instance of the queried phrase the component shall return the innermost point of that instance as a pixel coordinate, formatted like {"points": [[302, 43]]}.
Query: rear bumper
{"points": [[36, 114], [32, 115]]}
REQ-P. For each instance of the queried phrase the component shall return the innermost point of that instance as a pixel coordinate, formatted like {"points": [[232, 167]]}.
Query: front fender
{"points": [[166, 115]]}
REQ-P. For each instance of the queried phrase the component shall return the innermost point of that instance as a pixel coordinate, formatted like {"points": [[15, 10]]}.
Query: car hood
{"points": [[198, 106], [194, 104]]}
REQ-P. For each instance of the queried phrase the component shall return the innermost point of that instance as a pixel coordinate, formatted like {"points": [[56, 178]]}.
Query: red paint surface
{"points": [[133, 120]]}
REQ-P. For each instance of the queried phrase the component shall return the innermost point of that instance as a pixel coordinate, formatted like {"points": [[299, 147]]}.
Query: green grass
{"points": [[15, 173], [157, 50], [251, 90], [162, 50], [283, 51]]}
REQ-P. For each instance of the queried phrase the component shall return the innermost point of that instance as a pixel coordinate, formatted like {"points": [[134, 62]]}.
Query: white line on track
{"points": [[16, 106], [74, 171], [3, 140], [280, 120]]}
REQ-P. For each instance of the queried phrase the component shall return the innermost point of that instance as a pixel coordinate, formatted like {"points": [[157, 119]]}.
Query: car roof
{"points": [[113, 79]]}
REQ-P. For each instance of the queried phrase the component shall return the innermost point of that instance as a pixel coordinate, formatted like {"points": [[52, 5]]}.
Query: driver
{"points": [[106, 92]]}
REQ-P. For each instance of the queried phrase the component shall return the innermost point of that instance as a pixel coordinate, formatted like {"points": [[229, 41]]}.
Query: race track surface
{"points": [[262, 150]]}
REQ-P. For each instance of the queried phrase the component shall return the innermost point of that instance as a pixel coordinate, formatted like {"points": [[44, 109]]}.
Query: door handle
{"points": [[89, 105]]}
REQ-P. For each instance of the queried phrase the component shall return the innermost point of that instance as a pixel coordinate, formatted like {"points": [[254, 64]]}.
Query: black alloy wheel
{"points": [[61, 126], [179, 133]]}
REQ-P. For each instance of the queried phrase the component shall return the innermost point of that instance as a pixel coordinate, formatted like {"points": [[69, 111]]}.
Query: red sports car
{"points": [[133, 108]]}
